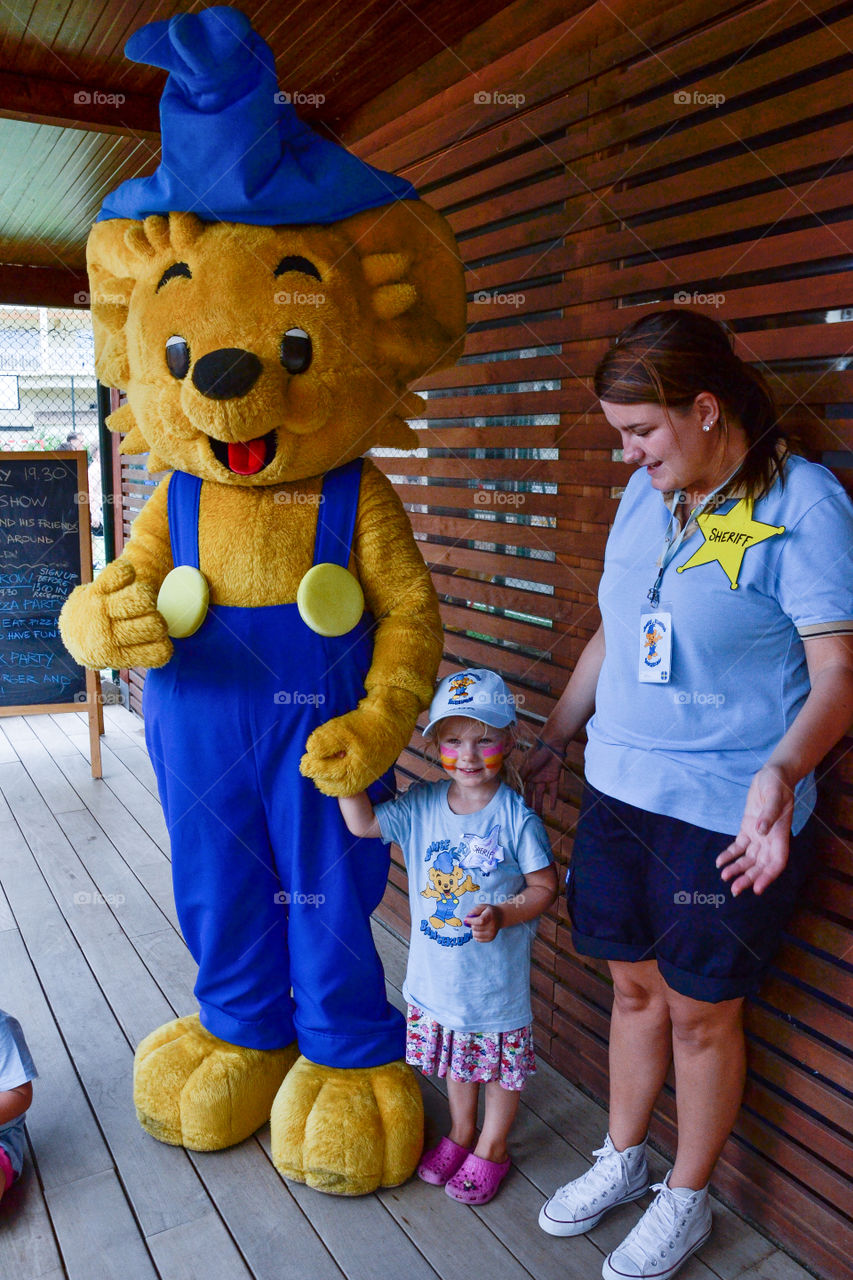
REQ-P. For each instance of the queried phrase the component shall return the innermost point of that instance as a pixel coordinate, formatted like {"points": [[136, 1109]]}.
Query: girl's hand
{"points": [[759, 852], [485, 922], [541, 770]]}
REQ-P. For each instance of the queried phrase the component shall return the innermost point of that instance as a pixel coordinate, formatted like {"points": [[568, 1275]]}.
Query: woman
{"points": [[721, 675]]}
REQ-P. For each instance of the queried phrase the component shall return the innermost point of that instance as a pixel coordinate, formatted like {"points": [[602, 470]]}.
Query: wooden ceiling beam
{"points": [[43, 287], [76, 105]]}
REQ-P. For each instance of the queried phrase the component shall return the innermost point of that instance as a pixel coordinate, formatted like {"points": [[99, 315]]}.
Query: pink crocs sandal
{"points": [[477, 1180], [441, 1162]]}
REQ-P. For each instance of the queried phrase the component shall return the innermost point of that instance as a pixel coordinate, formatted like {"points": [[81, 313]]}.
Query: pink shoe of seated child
{"points": [[441, 1162], [477, 1180]]}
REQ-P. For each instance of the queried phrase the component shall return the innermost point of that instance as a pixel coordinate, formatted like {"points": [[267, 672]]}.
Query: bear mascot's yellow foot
{"points": [[348, 1132], [193, 1090]]}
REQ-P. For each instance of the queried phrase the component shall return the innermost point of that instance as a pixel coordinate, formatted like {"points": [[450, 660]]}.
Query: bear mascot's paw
{"points": [[113, 622], [347, 1131], [193, 1090], [343, 756]]}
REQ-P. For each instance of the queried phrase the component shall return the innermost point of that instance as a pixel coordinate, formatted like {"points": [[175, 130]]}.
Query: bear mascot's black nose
{"points": [[227, 373]]}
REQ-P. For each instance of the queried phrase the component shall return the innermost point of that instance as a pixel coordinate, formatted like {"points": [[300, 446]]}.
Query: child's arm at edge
{"points": [[488, 918], [359, 816], [14, 1102]]}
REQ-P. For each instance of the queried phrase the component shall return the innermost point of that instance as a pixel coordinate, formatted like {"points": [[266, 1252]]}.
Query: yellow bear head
{"points": [[446, 881], [254, 355]]}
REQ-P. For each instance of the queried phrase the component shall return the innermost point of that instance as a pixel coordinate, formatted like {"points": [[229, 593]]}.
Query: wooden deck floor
{"points": [[91, 960]]}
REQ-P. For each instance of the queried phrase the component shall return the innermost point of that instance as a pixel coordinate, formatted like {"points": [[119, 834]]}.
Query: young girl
{"points": [[479, 867]]}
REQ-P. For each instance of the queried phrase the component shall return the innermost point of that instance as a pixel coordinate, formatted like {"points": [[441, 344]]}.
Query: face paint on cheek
{"points": [[449, 756], [493, 759]]}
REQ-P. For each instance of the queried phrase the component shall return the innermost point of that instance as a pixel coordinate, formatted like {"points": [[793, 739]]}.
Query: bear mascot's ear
{"points": [[116, 252], [112, 275], [417, 282]]}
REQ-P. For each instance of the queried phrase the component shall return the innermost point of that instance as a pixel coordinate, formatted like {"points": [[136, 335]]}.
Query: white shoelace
{"points": [[603, 1175], [656, 1235]]}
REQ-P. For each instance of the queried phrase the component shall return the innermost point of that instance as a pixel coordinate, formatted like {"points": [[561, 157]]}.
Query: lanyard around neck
{"points": [[671, 545]]}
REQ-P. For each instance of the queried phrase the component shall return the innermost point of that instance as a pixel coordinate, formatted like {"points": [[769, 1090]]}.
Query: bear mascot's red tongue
{"points": [[247, 457]]}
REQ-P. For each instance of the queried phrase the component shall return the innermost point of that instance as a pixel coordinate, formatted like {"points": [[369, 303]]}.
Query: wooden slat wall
{"points": [[601, 196]]}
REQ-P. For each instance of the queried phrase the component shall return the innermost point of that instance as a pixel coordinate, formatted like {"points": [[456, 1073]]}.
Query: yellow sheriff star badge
{"points": [[729, 537]]}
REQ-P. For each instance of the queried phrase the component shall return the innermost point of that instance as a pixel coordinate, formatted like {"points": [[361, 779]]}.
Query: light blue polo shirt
{"points": [[689, 748], [462, 984]]}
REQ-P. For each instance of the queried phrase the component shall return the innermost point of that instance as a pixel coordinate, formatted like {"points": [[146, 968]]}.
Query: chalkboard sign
{"points": [[45, 552]]}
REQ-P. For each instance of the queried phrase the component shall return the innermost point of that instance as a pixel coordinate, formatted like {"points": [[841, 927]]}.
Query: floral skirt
{"points": [[474, 1056]]}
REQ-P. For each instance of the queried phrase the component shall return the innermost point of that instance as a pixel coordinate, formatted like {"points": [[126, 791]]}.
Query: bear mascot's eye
{"points": [[296, 351], [177, 357]]}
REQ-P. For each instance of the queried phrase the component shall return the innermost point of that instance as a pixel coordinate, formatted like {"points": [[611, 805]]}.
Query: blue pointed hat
{"points": [[443, 861], [233, 147]]}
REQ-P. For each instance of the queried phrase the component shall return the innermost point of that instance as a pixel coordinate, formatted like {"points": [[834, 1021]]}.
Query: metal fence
{"points": [[48, 392]]}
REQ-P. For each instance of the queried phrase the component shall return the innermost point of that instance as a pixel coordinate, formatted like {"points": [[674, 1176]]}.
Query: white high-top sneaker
{"points": [[672, 1228], [615, 1178]]}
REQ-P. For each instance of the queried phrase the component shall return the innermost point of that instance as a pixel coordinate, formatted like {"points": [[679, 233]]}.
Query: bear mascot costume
{"points": [[265, 298]]}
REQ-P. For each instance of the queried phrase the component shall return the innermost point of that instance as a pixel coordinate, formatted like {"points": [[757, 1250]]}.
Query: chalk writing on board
{"points": [[39, 567]]}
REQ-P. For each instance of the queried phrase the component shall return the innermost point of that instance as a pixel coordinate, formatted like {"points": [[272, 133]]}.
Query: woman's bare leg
{"points": [[710, 1069], [640, 1048]]}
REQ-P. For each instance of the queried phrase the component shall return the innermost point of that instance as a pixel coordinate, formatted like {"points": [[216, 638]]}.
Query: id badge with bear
{"points": [[655, 646]]}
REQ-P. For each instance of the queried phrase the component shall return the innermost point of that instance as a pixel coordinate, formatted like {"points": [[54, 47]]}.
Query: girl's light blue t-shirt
{"points": [[689, 748], [462, 984], [16, 1068]]}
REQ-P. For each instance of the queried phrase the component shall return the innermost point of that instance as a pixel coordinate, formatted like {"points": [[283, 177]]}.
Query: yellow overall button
{"points": [[183, 601], [330, 600]]}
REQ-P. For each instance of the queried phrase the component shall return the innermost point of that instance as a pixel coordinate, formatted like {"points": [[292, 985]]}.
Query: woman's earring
{"points": [[708, 425]]}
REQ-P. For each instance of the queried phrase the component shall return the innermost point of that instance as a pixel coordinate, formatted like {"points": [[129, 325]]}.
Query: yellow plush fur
{"points": [[389, 306], [377, 1114], [193, 1090]]}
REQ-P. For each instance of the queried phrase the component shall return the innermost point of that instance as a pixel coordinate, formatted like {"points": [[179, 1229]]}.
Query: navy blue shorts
{"points": [[644, 887]]}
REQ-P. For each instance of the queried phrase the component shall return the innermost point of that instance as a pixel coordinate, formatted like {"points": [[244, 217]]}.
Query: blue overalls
{"points": [[272, 891]]}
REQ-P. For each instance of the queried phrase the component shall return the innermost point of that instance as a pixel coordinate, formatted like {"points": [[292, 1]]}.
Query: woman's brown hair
{"points": [[668, 357]]}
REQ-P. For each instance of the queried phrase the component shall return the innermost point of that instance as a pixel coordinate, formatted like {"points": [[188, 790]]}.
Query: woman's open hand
{"points": [[540, 771], [759, 852]]}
